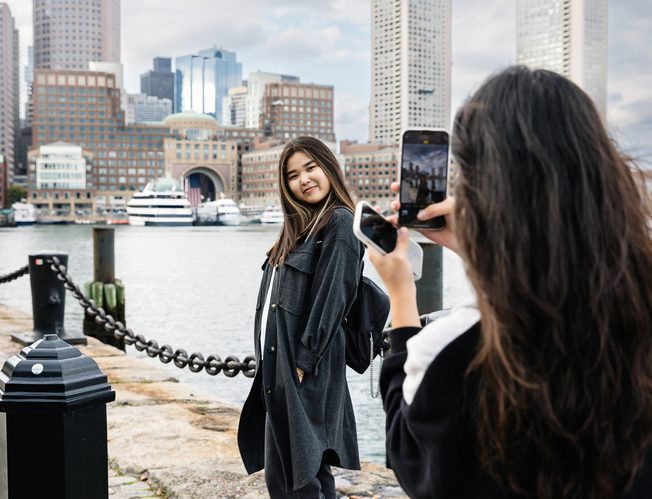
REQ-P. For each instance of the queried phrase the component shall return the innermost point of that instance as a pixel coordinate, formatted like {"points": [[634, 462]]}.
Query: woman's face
{"points": [[306, 179]]}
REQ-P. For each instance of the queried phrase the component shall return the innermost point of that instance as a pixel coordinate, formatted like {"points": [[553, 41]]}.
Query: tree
{"points": [[16, 193]]}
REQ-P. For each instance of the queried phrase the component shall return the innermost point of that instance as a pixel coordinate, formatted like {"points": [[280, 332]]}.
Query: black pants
{"points": [[320, 487]]}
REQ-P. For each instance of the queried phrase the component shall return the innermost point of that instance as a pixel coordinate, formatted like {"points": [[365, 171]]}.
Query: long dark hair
{"points": [[302, 219], [554, 231]]}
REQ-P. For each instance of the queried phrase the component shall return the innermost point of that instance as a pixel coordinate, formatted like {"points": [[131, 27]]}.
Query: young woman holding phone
{"points": [[298, 418], [543, 388]]}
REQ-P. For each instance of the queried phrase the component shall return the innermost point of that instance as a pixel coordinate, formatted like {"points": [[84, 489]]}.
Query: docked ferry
{"points": [[160, 203], [222, 211], [24, 213]]}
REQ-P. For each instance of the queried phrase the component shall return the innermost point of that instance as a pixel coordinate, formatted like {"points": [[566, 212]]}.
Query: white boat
{"points": [[223, 211], [24, 213], [271, 215], [160, 203]]}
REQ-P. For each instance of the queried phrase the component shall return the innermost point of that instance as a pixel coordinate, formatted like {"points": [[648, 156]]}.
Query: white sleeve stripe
{"points": [[424, 347]]}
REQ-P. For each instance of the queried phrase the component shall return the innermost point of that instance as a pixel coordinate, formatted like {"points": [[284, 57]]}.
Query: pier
{"points": [[170, 440]]}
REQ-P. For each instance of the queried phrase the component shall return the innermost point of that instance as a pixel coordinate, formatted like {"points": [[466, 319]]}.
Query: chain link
{"points": [[15, 274], [381, 354], [213, 365]]}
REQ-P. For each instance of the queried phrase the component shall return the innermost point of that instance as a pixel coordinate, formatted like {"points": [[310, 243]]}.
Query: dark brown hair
{"points": [[303, 219], [553, 229]]}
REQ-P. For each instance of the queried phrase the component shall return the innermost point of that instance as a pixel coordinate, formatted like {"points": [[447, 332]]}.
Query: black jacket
{"points": [[431, 443], [311, 292]]}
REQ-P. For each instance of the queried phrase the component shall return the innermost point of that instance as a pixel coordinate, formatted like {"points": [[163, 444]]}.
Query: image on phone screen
{"points": [[377, 229], [424, 173]]}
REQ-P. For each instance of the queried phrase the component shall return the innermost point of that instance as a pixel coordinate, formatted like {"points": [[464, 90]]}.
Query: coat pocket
{"points": [[297, 278]]}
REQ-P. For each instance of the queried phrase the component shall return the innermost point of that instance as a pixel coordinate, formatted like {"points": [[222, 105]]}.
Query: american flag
{"points": [[193, 190]]}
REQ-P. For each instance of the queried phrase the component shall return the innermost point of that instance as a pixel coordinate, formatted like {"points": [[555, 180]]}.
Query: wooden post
{"points": [[107, 291]]}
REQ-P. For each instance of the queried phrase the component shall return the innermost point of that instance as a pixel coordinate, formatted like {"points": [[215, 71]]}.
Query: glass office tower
{"points": [[202, 80]]}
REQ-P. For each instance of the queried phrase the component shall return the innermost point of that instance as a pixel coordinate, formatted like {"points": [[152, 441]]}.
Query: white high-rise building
{"points": [[410, 66], [70, 33], [9, 89], [568, 37]]}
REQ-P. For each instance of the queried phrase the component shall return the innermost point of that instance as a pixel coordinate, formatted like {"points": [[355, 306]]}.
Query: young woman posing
{"points": [[544, 388], [298, 419]]}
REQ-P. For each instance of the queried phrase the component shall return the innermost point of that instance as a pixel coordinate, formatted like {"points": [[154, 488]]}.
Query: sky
{"points": [[328, 42]]}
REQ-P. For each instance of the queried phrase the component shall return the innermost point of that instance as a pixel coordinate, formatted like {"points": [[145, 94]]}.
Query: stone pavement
{"points": [[131, 487], [170, 440]]}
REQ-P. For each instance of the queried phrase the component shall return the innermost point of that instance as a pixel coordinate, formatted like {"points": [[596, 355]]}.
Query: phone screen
{"points": [[377, 229], [424, 173]]}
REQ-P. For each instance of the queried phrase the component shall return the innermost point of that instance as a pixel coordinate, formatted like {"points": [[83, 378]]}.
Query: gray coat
{"points": [[312, 292]]}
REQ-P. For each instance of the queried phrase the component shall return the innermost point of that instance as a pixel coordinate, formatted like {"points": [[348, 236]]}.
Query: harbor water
{"points": [[193, 288]]}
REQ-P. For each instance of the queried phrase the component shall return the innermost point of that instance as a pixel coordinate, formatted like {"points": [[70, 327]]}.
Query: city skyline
{"points": [[328, 42]]}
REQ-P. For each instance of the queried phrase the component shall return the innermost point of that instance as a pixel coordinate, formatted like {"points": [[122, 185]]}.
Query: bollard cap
{"points": [[51, 376]]}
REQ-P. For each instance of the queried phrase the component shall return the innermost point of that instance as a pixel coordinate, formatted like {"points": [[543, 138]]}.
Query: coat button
{"points": [[273, 306], [268, 389], [272, 349]]}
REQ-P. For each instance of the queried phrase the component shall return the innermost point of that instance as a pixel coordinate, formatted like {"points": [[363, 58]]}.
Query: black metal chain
{"points": [[212, 364], [15, 274]]}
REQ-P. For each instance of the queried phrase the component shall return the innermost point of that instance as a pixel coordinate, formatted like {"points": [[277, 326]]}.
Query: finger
{"points": [[446, 207], [392, 219], [394, 187], [395, 205]]}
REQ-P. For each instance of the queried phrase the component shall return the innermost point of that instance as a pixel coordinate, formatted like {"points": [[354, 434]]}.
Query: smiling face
{"points": [[306, 179]]}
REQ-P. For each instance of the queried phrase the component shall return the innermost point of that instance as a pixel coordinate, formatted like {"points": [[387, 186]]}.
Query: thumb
{"points": [[402, 242]]}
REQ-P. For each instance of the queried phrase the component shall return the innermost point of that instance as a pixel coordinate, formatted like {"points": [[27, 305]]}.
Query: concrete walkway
{"points": [[168, 439]]}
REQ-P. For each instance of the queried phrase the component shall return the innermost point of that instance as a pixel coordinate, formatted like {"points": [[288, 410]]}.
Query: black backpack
{"points": [[364, 324]]}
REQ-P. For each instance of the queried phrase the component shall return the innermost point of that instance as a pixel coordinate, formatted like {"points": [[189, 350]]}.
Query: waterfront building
{"points": [[369, 169], [68, 34], [203, 79], [84, 108], [195, 154], [260, 173], [4, 182], [410, 67], [233, 107], [568, 37], [9, 89], [159, 82], [62, 179], [292, 109], [255, 93], [143, 108]]}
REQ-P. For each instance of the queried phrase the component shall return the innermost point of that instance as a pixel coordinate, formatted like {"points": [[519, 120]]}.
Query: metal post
{"points": [[53, 431], [48, 302], [430, 286], [103, 255]]}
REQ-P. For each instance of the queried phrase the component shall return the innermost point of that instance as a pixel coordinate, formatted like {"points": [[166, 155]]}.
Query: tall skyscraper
{"points": [[410, 66], [159, 82], [9, 88], [568, 37], [29, 78], [68, 34], [202, 80]]}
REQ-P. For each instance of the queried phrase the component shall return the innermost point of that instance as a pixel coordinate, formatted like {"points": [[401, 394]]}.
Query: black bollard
{"points": [[430, 286], [48, 302], [53, 432]]}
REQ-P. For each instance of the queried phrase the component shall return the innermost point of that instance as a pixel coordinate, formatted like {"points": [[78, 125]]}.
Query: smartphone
{"points": [[373, 230], [423, 175]]}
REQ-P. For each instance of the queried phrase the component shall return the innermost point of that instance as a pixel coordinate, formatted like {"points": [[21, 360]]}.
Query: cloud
{"points": [[351, 117]]}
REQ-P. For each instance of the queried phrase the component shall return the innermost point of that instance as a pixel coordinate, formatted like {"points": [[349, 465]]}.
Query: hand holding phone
{"points": [[374, 231], [423, 175]]}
